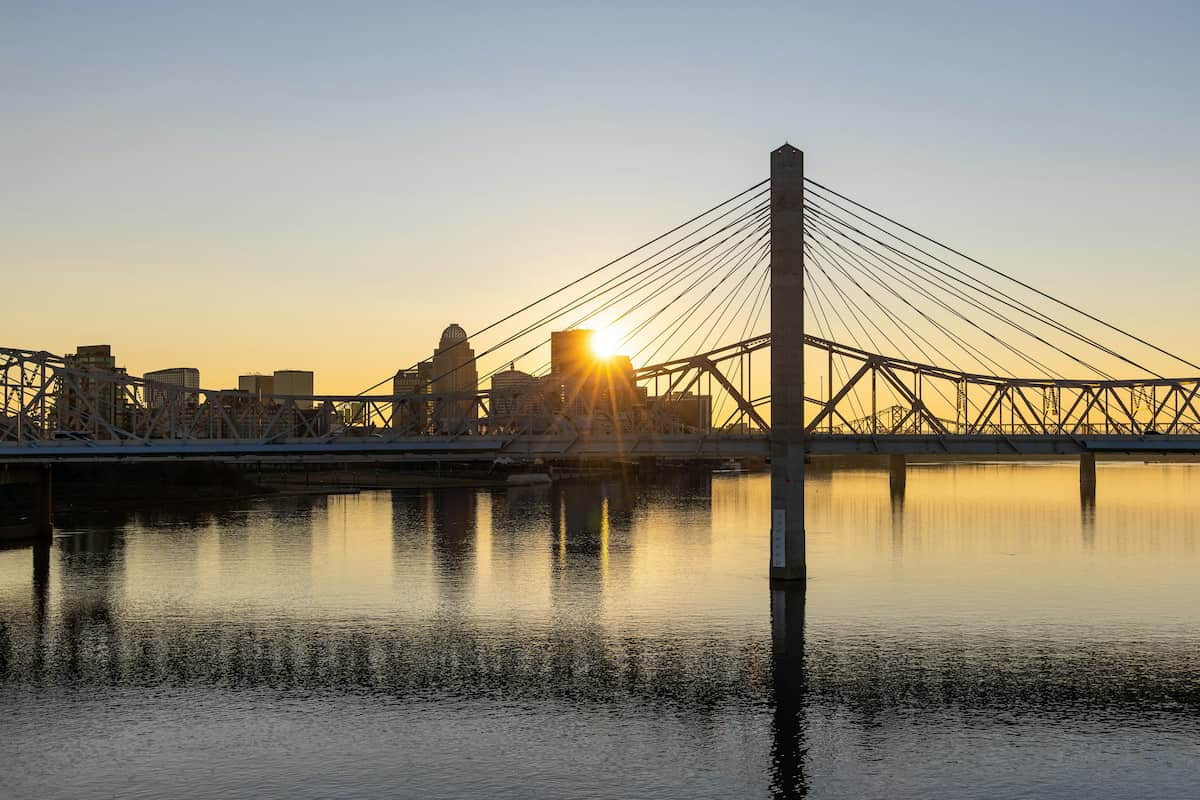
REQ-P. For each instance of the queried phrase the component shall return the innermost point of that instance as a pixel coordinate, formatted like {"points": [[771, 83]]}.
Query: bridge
{"points": [[787, 321]]}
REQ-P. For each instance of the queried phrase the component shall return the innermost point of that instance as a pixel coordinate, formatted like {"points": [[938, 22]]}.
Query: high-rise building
{"points": [[515, 399], [94, 356], [454, 372], [257, 385], [571, 352], [92, 403], [157, 380], [296, 382], [188, 377], [410, 413], [588, 385], [693, 410]]}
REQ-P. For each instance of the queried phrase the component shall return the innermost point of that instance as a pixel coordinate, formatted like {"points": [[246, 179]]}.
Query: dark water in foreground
{"points": [[987, 635]]}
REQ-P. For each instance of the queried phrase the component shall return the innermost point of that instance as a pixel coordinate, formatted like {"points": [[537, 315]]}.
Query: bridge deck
{"points": [[598, 448]]}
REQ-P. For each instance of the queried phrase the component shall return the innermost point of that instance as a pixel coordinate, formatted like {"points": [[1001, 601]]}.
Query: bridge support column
{"points": [[38, 513], [1087, 476], [43, 521], [790, 688], [897, 475], [647, 468], [787, 365]]}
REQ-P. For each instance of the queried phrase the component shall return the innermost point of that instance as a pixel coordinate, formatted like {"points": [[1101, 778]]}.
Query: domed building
{"points": [[453, 334], [454, 372]]}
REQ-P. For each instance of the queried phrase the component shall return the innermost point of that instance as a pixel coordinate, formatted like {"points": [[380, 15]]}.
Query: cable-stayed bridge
{"points": [[788, 320]]}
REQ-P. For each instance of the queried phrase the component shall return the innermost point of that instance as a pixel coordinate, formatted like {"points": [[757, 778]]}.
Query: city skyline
{"points": [[676, 400], [263, 196]]}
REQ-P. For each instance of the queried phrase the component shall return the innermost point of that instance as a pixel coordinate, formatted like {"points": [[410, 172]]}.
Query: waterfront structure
{"points": [[454, 372]]}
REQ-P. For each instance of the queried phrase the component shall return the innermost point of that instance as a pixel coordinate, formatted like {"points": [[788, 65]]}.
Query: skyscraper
{"points": [[294, 382], [410, 413], [157, 381], [454, 372], [586, 384], [257, 385], [91, 401]]}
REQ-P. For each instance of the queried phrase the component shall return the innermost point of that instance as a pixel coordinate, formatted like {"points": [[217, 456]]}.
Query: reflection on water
{"points": [[976, 630]]}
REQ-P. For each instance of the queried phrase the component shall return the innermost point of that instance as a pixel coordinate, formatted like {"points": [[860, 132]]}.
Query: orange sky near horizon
{"points": [[240, 192]]}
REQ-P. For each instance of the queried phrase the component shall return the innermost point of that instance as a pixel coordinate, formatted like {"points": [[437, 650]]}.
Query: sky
{"points": [[255, 186]]}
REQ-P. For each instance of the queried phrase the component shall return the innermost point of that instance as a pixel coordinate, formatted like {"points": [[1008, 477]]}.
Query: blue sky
{"points": [[258, 186]]}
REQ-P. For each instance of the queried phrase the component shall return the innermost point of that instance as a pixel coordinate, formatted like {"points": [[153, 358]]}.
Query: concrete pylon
{"points": [[787, 365]]}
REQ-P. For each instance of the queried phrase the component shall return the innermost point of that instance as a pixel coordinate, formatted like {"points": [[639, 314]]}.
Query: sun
{"points": [[605, 342]]}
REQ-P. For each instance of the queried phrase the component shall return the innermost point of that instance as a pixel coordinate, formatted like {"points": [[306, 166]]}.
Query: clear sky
{"points": [[253, 186]]}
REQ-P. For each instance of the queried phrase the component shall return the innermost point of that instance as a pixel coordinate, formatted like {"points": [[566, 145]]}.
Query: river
{"points": [[987, 634]]}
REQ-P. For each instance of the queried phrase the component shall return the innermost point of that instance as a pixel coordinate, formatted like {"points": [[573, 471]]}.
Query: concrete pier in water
{"points": [[787, 365]]}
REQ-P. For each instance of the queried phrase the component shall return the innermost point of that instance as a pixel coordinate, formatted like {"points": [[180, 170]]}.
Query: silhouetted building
{"points": [[157, 382], [693, 410], [295, 382], [257, 385], [571, 352], [92, 402], [410, 412], [585, 385], [516, 402], [454, 372]]}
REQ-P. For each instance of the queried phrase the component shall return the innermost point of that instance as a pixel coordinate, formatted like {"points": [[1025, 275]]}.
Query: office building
{"points": [[454, 373], [257, 385], [294, 382], [584, 385], [694, 411], [514, 400], [91, 402], [571, 352], [410, 413], [158, 382]]}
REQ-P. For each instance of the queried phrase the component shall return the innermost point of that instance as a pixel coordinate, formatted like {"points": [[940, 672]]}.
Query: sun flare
{"points": [[605, 342]]}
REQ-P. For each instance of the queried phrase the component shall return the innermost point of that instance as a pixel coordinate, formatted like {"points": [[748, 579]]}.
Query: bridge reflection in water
{"points": [[933, 615]]}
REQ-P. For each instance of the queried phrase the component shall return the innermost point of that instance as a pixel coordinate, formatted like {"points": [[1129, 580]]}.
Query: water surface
{"points": [[989, 633]]}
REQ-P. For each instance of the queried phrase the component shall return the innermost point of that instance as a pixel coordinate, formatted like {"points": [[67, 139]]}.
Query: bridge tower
{"points": [[787, 364]]}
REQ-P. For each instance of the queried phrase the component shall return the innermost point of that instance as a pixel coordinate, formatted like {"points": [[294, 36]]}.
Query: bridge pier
{"points": [[647, 468], [897, 475], [790, 687], [787, 365], [39, 524], [1087, 475]]}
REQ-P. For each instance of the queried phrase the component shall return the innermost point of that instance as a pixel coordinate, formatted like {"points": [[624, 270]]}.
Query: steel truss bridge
{"points": [[992, 415], [877, 338]]}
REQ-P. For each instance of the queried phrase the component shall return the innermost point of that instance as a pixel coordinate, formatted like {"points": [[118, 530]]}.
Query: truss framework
{"points": [[868, 394]]}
